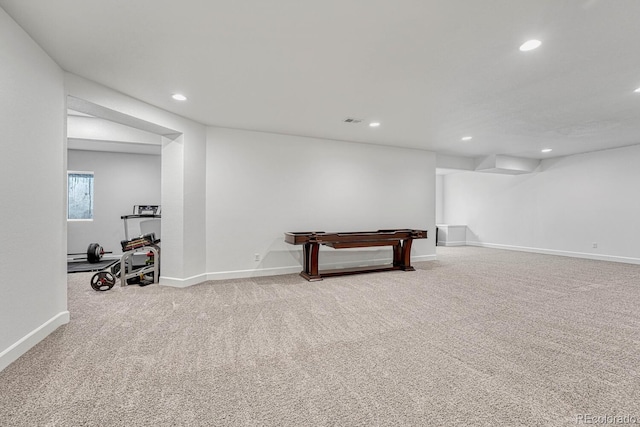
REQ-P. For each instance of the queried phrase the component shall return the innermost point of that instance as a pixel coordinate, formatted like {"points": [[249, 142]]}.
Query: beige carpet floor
{"points": [[481, 337]]}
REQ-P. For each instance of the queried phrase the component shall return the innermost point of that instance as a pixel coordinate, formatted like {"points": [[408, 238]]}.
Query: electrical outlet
{"points": [[595, 245], [256, 257]]}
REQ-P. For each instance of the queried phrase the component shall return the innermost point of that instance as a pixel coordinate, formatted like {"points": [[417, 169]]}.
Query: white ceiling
{"points": [[431, 71], [85, 132]]}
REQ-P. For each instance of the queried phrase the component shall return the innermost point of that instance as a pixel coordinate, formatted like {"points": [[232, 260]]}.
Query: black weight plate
{"points": [[93, 253], [103, 281]]}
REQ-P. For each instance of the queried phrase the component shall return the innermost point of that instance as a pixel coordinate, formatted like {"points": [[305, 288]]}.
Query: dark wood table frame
{"points": [[401, 241]]}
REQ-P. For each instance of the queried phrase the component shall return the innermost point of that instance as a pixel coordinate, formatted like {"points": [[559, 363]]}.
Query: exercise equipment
{"points": [[140, 212], [126, 270], [103, 281], [94, 253], [85, 266], [141, 274]]}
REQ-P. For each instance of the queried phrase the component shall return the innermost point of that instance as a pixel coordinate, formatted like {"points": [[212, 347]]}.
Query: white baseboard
{"points": [[23, 345], [183, 283], [458, 243], [272, 271], [276, 271], [585, 255], [258, 272]]}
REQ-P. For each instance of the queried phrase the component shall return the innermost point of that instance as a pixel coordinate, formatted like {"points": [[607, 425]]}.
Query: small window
{"points": [[80, 195]]}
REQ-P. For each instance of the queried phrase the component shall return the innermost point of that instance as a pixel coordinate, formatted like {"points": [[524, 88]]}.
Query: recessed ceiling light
{"points": [[637, 90], [466, 138], [530, 45], [374, 124], [179, 97], [546, 150]]}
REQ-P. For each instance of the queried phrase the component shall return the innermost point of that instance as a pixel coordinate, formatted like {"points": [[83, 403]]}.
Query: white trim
{"points": [[23, 345], [259, 272], [81, 173], [456, 243], [599, 257], [183, 283], [277, 271], [272, 271]]}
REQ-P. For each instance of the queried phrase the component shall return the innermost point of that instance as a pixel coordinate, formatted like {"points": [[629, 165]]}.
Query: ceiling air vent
{"points": [[352, 120]]}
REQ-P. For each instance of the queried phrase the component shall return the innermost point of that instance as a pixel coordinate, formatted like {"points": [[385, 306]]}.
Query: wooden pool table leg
{"points": [[397, 255], [310, 252], [405, 262]]}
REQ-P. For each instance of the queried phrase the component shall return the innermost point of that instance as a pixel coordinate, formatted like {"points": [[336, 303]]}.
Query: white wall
{"points": [[563, 208], [92, 133], [33, 289], [121, 180], [253, 192], [182, 183], [261, 185], [439, 199]]}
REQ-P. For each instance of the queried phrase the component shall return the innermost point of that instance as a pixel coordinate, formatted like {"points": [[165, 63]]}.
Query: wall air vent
{"points": [[352, 120]]}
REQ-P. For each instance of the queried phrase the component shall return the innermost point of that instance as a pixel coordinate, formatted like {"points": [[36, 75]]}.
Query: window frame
{"points": [[70, 172]]}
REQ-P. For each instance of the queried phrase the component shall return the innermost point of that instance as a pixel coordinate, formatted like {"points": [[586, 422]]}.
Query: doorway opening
{"points": [[123, 155]]}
